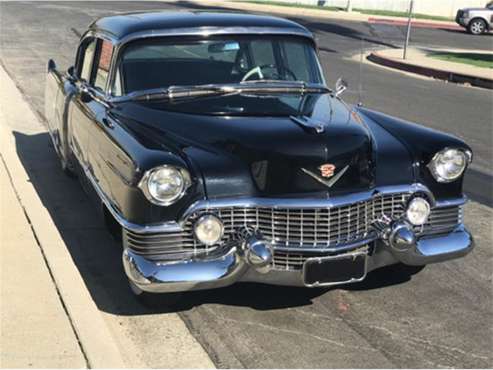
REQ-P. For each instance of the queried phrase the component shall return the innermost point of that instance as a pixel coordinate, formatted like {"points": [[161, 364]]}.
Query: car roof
{"points": [[122, 25]]}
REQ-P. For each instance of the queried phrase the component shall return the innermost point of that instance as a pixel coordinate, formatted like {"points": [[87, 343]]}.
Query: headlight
{"points": [[165, 185], [209, 229], [418, 211], [449, 164]]}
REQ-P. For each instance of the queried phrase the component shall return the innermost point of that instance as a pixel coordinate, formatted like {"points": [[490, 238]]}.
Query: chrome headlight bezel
{"points": [[149, 175], [438, 174]]}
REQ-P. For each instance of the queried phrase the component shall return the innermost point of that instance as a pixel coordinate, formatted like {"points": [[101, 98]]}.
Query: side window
{"points": [[85, 72], [105, 51], [117, 86]]}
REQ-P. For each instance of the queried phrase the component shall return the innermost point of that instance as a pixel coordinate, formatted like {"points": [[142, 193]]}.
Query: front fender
{"points": [[422, 143]]}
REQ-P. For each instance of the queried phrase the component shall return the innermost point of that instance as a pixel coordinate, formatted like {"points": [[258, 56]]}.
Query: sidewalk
{"points": [[326, 14], [48, 318], [420, 61], [30, 305]]}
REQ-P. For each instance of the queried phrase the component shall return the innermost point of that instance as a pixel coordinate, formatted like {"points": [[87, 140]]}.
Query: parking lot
{"points": [[442, 317]]}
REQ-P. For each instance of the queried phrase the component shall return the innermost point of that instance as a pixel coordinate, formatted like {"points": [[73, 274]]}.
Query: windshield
{"points": [[160, 63]]}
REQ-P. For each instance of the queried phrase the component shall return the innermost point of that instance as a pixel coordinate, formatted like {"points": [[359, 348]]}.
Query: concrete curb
{"points": [[283, 10], [416, 24], [440, 74], [96, 341], [325, 14]]}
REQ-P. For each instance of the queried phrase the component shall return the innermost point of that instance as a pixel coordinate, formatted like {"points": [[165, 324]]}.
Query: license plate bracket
{"points": [[334, 270]]}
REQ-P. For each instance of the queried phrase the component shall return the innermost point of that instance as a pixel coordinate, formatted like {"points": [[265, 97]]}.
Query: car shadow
{"points": [[97, 255]]}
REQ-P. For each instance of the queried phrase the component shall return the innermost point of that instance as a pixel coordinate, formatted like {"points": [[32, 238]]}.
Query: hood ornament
{"points": [[327, 171], [309, 124]]}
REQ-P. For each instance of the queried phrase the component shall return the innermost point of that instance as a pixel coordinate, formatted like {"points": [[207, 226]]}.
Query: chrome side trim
{"points": [[170, 226], [177, 226]]}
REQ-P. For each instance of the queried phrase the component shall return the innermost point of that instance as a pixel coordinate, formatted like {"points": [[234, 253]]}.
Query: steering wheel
{"points": [[258, 71]]}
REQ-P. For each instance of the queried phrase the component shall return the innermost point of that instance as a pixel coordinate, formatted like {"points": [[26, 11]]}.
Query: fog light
{"points": [[209, 229], [418, 211]]}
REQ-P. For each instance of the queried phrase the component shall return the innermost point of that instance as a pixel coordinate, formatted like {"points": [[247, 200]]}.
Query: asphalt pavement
{"points": [[441, 317]]}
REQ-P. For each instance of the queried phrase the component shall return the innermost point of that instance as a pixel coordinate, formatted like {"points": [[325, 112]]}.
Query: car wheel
{"points": [[477, 26], [154, 300]]}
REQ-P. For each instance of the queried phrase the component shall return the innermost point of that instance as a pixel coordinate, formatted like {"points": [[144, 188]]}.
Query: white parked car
{"points": [[476, 20]]}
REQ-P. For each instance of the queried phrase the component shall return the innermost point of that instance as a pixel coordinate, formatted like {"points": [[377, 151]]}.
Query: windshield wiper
{"points": [[261, 87]]}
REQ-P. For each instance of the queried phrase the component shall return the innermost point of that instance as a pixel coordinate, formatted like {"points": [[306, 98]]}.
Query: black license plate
{"points": [[341, 269]]}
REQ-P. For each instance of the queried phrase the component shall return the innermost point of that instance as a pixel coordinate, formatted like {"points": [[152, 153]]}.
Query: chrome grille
{"points": [[164, 246], [442, 220], [313, 227], [295, 233]]}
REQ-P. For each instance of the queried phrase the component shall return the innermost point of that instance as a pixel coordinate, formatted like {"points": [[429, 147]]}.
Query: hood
{"points": [[473, 9], [260, 150]]}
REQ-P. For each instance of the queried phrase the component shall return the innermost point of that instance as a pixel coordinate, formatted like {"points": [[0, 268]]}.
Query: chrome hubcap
{"points": [[477, 27]]}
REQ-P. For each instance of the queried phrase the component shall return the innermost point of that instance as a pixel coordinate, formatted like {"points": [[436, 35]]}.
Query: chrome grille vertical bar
{"points": [[301, 227], [329, 217], [315, 222], [287, 227], [256, 218], [272, 221]]}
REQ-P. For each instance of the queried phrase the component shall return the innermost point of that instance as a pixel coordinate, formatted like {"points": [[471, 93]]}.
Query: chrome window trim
{"points": [[198, 31]]}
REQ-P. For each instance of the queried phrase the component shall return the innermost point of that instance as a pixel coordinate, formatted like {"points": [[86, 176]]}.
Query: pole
{"points": [[408, 34], [349, 7]]}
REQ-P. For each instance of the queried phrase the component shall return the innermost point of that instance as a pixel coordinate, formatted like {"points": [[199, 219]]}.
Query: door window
{"points": [[105, 51], [86, 71]]}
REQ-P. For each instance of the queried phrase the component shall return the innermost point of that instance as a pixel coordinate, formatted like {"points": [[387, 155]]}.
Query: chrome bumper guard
{"points": [[248, 262]]}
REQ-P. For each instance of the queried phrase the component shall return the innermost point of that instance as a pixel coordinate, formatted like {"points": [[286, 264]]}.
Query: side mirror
{"points": [[341, 86], [51, 65], [70, 71]]}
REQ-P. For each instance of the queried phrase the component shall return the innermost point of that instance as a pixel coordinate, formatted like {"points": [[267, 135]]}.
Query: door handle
{"points": [[107, 123]]}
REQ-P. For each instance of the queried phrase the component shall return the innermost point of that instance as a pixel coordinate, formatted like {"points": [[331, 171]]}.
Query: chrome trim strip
{"points": [[338, 248], [197, 31], [451, 202], [214, 30], [170, 226], [308, 203]]}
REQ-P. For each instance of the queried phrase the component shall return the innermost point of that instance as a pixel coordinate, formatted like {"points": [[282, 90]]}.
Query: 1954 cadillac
{"points": [[218, 155]]}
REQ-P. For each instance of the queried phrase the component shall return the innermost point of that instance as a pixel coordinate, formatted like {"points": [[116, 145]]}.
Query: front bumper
{"points": [[229, 265], [462, 21]]}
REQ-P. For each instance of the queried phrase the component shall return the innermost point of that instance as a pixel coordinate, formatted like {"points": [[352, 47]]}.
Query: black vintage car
{"points": [[218, 154]]}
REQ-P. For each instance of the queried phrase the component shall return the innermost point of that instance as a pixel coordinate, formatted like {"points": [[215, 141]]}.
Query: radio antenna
{"points": [[360, 77]]}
